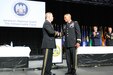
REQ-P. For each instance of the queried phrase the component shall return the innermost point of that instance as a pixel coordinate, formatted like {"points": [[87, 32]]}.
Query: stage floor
{"points": [[35, 66]]}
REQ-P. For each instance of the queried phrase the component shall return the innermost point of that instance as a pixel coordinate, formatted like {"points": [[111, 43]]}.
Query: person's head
{"points": [[49, 16], [95, 28], [67, 18], [109, 29]]}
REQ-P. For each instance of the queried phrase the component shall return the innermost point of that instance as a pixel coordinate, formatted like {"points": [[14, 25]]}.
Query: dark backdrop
{"points": [[31, 37], [86, 14]]}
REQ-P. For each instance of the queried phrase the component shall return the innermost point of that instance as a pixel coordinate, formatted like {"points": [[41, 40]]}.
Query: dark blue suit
{"points": [[96, 40], [72, 36], [109, 41], [48, 36], [48, 43]]}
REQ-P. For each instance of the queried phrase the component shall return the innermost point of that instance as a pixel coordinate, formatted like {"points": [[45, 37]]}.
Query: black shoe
{"points": [[53, 74], [68, 73], [74, 73]]}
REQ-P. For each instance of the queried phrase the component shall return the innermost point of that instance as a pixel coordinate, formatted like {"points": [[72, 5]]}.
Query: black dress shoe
{"points": [[74, 73], [68, 73], [53, 74]]}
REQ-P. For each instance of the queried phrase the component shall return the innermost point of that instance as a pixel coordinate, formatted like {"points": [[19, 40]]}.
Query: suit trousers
{"points": [[47, 62], [71, 59]]}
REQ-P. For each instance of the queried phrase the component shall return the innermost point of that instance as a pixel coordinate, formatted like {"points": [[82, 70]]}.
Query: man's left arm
{"points": [[78, 33]]}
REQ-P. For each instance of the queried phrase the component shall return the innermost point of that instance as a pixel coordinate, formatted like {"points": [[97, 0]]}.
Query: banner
{"points": [[57, 52], [22, 13]]}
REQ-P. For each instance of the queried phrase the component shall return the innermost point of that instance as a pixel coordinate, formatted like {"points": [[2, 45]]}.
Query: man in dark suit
{"points": [[109, 37], [72, 42], [48, 43], [96, 37]]}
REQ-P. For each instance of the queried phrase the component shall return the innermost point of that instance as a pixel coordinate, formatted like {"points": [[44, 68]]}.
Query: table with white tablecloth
{"points": [[93, 55], [95, 50], [14, 57]]}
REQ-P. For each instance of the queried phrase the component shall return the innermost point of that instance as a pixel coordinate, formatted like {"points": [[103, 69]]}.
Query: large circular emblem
{"points": [[20, 9], [56, 52]]}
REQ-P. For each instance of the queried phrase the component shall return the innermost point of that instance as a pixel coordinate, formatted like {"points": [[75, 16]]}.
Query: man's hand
{"points": [[57, 33], [60, 34], [107, 36], [94, 33], [77, 45]]}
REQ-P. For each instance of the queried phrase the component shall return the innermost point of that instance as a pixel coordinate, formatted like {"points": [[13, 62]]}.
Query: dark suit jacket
{"points": [[48, 36], [96, 40], [72, 33], [109, 41]]}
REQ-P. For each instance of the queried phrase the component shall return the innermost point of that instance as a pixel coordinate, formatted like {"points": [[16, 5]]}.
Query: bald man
{"points": [[109, 37], [48, 43], [72, 41]]}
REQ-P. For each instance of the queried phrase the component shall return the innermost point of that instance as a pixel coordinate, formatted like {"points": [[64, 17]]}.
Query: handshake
{"points": [[59, 34]]}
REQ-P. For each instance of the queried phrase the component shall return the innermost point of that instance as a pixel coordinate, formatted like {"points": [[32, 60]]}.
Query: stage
{"points": [[35, 65]]}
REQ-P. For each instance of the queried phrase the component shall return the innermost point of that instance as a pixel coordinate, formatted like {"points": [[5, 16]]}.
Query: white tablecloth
{"points": [[95, 50], [14, 51]]}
